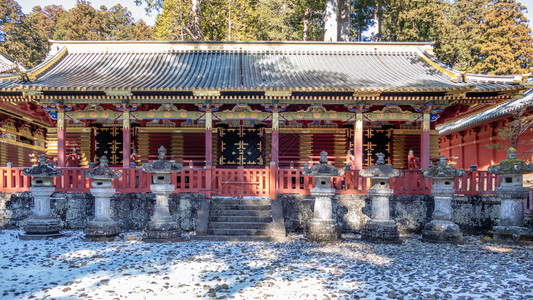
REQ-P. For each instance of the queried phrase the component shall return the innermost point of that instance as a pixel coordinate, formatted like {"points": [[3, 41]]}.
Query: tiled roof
{"points": [[494, 113], [7, 65], [241, 66]]}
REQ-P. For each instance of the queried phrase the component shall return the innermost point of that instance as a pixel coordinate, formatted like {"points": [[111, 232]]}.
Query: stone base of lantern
{"points": [[512, 234], [380, 231], [36, 229], [158, 232], [438, 231], [102, 230], [319, 230]]}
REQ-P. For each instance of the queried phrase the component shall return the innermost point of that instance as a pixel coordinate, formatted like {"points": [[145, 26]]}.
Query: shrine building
{"points": [[470, 141], [238, 104]]}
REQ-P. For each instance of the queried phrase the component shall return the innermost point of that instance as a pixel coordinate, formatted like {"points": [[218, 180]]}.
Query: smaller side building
{"points": [[470, 140]]}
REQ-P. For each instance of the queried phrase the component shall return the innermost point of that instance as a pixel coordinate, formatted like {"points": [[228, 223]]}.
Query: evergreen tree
{"points": [[410, 21], [84, 22], [506, 43], [45, 19], [80, 23], [19, 36], [273, 20], [225, 20], [458, 45], [362, 17], [308, 20]]}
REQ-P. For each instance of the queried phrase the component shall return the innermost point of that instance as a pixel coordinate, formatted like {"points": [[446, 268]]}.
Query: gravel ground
{"points": [[70, 268]]}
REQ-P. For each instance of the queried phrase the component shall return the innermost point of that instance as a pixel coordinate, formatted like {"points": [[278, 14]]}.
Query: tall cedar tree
{"points": [[412, 21], [308, 20], [19, 37], [240, 19], [80, 23], [83, 22], [506, 43], [362, 17], [458, 43]]}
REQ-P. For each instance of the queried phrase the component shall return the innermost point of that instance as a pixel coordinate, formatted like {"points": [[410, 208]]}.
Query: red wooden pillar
{"points": [[274, 161], [358, 141], [424, 141], [61, 138], [275, 136], [208, 137], [126, 139], [208, 151], [272, 181]]}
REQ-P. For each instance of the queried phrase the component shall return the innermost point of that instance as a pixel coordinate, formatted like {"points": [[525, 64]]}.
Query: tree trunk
{"points": [[306, 23], [196, 29], [345, 22], [377, 20], [330, 22]]}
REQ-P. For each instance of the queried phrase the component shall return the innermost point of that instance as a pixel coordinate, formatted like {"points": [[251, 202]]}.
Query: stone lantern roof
{"points": [[102, 171], [443, 170], [322, 169], [512, 165], [162, 165], [41, 170], [380, 169]]}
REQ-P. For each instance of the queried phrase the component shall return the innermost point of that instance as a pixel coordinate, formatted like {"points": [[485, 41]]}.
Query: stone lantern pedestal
{"points": [[162, 227], [512, 194], [442, 228], [380, 228], [322, 227], [102, 227], [41, 225]]}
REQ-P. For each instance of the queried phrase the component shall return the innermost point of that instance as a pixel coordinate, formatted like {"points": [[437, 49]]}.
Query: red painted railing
{"points": [[12, 180], [133, 180], [241, 182], [477, 183], [254, 182]]}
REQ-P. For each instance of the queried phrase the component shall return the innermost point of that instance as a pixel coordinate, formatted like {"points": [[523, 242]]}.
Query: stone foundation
{"points": [[132, 212], [438, 231], [162, 232], [42, 226], [322, 231], [380, 231], [101, 230], [512, 234]]}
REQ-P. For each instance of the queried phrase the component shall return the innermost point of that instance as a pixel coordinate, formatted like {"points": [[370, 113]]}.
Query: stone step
{"points": [[239, 212], [240, 225], [240, 232], [233, 201], [240, 219], [215, 206], [240, 238]]}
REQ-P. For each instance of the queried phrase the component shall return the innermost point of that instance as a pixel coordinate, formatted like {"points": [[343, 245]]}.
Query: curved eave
{"points": [[48, 63], [490, 114], [22, 87], [476, 79]]}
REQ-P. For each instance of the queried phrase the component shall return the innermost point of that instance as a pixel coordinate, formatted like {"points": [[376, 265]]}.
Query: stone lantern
{"points": [[380, 227], [512, 194], [102, 227], [322, 227], [442, 228], [162, 227], [41, 224]]}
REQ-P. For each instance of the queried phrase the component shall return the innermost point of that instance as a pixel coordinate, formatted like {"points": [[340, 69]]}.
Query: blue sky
{"points": [[139, 13]]}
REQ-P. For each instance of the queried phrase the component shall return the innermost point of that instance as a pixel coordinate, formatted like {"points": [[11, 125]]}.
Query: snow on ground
{"points": [[70, 268]]}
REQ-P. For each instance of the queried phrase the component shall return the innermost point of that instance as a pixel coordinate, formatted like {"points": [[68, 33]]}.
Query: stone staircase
{"points": [[233, 219]]}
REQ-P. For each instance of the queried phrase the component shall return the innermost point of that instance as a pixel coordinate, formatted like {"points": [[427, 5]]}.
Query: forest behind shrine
{"points": [[478, 36]]}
